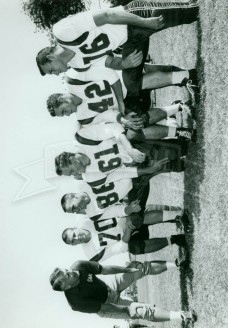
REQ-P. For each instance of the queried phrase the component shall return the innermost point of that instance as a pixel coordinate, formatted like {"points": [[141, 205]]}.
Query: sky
{"points": [[31, 216]]}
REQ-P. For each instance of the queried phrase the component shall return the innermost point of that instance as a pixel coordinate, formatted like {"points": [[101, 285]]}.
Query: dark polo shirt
{"points": [[91, 292]]}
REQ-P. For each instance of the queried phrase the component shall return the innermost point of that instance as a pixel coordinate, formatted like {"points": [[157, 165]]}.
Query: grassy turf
{"points": [[203, 189]]}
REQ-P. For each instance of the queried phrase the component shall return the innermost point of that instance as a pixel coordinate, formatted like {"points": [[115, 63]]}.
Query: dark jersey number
{"points": [[103, 225], [92, 90], [99, 43], [102, 235], [108, 200], [101, 106], [103, 188], [113, 163]]}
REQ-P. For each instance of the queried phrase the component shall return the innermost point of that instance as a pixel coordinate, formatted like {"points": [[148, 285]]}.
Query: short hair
{"points": [[42, 59], [55, 280], [64, 235], [62, 160], [53, 102], [63, 202]]}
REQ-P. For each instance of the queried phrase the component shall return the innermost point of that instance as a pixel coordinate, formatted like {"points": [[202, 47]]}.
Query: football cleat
{"points": [[181, 263], [183, 220], [179, 240], [188, 316], [184, 133], [185, 109]]}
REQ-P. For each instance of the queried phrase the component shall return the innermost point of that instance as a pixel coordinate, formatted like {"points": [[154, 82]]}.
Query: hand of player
{"points": [[133, 122], [129, 225], [137, 156], [134, 207], [155, 23], [158, 165], [132, 60]]}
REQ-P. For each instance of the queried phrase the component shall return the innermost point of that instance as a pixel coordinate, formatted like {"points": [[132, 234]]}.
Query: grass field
{"points": [[203, 189]]}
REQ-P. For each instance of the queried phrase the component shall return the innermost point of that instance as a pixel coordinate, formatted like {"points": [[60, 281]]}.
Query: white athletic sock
{"points": [[170, 110], [171, 265], [171, 132], [177, 77], [170, 215], [175, 315], [169, 241]]}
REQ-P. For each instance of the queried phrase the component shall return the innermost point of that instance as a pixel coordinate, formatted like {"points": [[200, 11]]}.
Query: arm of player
{"points": [[154, 167], [112, 16], [118, 92], [136, 155], [114, 269], [117, 63], [120, 211], [129, 228]]}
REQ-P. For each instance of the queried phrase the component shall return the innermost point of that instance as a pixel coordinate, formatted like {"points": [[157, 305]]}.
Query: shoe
{"points": [[183, 220], [185, 109], [179, 240], [188, 316], [181, 263], [184, 133], [191, 83]]}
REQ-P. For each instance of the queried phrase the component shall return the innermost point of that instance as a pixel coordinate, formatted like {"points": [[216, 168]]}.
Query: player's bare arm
{"points": [[132, 60], [113, 16], [134, 207], [128, 229], [136, 155], [114, 269], [154, 167], [118, 91], [131, 121]]}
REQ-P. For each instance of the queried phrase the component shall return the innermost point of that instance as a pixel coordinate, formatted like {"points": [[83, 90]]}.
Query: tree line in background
{"points": [[45, 13]]}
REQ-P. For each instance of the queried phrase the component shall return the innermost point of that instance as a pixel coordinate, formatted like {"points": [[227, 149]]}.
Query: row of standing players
{"points": [[120, 146]]}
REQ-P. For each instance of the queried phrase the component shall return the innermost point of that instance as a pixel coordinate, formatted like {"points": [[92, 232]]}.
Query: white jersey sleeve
{"points": [[106, 239], [121, 173], [73, 26], [99, 132], [89, 42]]}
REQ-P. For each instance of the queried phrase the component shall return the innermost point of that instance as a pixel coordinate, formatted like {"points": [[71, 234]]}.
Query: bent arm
{"points": [[114, 269], [118, 92], [135, 154], [121, 17]]}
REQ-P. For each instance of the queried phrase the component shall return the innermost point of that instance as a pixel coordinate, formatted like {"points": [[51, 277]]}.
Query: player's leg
{"points": [[157, 132], [141, 244], [174, 13], [161, 79], [124, 280], [146, 312], [156, 217], [158, 114], [156, 314], [159, 207]]}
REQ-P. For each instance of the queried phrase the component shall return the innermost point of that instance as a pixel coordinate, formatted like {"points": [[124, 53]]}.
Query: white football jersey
{"points": [[108, 158], [106, 199], [106, 238], [89, 42], [99, 103]]}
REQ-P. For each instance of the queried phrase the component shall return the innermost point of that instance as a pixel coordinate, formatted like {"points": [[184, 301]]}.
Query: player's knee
{"points": [[135, 136], [136, 247]]}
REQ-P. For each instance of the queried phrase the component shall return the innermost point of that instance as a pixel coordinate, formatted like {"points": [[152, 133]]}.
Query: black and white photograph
{"points": [[114, 174]]}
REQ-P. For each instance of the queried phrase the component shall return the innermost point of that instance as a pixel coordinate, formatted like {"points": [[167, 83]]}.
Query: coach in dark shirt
{"points": [[87, 293]]}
